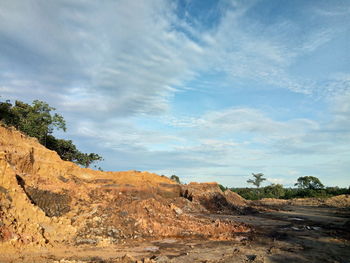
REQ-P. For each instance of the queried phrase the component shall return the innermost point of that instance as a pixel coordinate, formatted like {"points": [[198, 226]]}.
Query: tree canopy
{"points": [[38, 120], [309, 182], [258, 179], [34, 120]]}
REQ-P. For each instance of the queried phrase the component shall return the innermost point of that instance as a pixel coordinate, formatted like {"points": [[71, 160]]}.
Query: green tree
{"points": [[175, 178], [65, 148], [86, 159], [258, 179], [223, 188], [7, 116], [309, 182], [35, 120], [39, 121], [274, 191]]}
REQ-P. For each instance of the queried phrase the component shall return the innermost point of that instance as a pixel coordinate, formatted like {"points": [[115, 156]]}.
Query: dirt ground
{"points": [[282, 234], [55, 211]]}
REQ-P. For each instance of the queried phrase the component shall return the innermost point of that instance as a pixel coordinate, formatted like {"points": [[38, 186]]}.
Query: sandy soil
{"points": [[54, 211], [290, 234]]}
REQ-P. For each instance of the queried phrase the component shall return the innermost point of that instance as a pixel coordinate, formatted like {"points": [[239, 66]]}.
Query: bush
{"points": [[222, 188], [175, 178]]}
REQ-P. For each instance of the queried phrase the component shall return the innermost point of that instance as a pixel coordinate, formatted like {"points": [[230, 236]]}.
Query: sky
{"points": [[207, 90]]}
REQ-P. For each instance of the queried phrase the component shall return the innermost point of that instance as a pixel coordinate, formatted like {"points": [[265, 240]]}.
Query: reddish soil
{"points": [[55, 211]]}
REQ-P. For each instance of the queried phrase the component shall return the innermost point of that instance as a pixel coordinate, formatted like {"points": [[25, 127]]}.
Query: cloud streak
{"points": [[122, 71], [97, 54]]}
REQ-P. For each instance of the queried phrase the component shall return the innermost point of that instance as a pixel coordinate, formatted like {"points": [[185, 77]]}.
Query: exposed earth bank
{"points": [[54, 211]]}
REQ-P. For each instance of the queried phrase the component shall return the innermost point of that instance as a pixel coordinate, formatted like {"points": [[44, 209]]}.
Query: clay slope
{"points": [[45, 201]]}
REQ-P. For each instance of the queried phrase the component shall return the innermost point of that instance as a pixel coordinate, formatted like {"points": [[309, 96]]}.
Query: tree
{"points": [[309, 182], [257, 179], [65, 148], [175, 178], [223, 188], [69, 152], [6, 114], [37, 120], [86, 159]]}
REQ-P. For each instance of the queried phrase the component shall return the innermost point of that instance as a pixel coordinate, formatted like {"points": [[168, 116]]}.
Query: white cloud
{"points": [[276, 180], [249, 121], [127, 57], [123, 54], [107, 65]]}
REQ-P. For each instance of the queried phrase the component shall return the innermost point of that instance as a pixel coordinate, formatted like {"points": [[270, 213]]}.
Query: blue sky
{"points": [[206, 90]]}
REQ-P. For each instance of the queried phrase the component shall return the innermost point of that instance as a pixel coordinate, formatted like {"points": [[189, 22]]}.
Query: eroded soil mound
{"points": [[235, 199], [55, 211], [212, 199], [45, 201], [338, 201]]}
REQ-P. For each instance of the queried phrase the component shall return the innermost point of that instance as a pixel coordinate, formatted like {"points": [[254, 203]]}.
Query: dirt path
{"points": [[294, 234]]}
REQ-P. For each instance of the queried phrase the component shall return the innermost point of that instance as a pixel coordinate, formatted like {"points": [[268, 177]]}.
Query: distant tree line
{"points": [[280, 192], [307, 186], [38, 120]]}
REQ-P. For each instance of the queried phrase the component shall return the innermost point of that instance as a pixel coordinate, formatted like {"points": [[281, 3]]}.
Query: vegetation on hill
{"points": [[38, 120], [175, 178]]}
